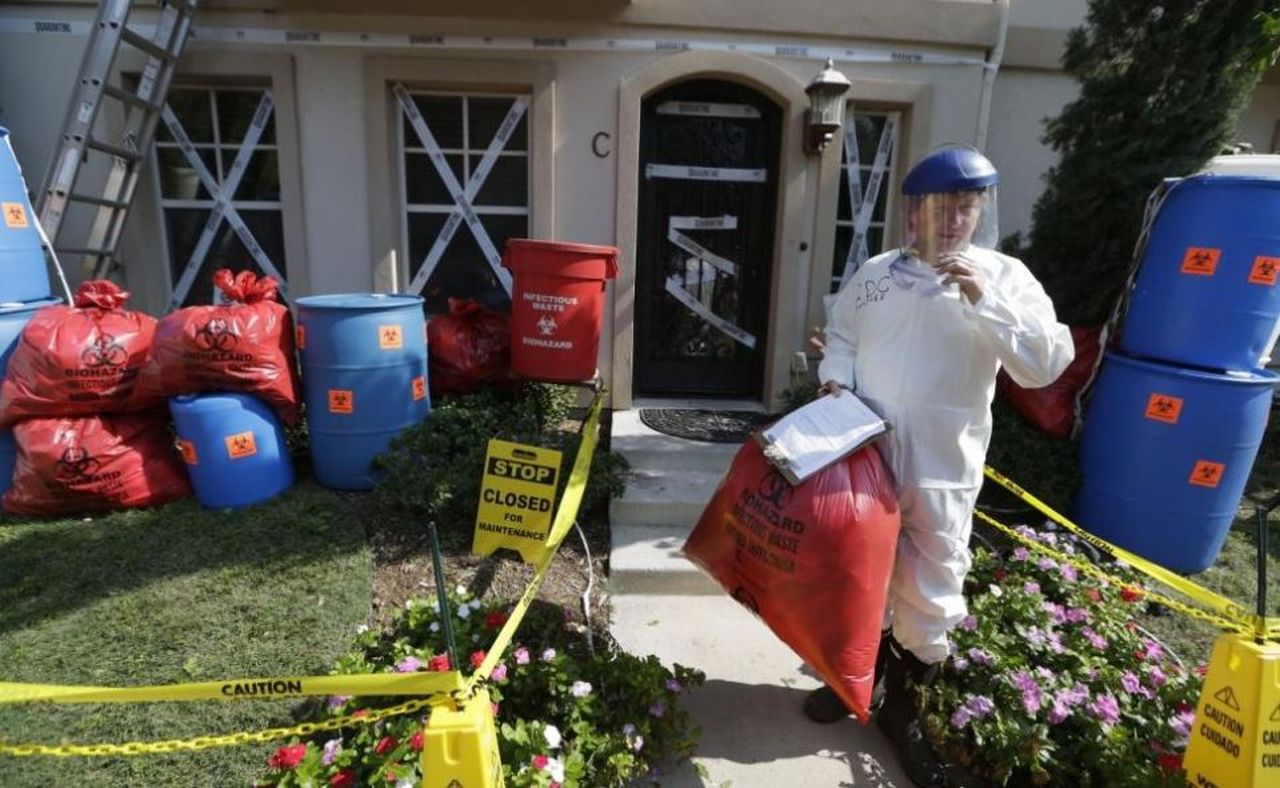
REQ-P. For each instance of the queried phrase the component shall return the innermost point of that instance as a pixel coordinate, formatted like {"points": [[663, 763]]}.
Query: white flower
{"points": [[580, 689], [434, 626], [362, 628], [552, 734], [996, 591], [464, 612], [548, 655], [460, 591], [408, 605], [555, 767], [405, 782]]}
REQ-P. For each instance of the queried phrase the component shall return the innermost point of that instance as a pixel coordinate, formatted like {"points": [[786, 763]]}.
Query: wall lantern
{"points": [[825, 116]]}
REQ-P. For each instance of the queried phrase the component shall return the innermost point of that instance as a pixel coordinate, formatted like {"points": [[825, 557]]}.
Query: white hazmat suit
{"points": [[925, 359]]}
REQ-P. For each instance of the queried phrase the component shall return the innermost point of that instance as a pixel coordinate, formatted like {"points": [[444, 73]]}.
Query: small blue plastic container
{"points": [[23, 275], [364, 379], [234, 449], [1165, 455]]}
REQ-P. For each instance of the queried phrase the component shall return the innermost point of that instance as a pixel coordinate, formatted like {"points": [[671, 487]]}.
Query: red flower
{"points": [[1170, 762], [1094, 595], [347, 778], [1000, 574], [494, 708], [416, 741], [438, 663], [287, 757], [477, 658], [1202, 670], [495, 620], [1130, 594], [390, 777], [540, 761], [358, 713], [1183, 707], [385, 745]]}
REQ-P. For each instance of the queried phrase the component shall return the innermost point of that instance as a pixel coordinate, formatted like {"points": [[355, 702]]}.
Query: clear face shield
{"points": [[945, 223]]}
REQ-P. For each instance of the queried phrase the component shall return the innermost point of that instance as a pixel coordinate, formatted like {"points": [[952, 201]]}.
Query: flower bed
{"points": [[1053, 683], [566, 717]]}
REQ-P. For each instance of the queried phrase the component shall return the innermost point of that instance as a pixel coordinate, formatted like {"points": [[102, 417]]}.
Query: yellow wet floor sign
{"points": [[460, 747], [517, 497], [1235, 742]]}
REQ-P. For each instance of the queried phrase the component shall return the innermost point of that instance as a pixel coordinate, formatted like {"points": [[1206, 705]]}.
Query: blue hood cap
{"points": [[953, 168]]}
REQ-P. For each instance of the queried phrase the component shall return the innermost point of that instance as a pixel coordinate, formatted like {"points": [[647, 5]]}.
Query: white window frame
{"points": [[890, 178], [405, 146]]}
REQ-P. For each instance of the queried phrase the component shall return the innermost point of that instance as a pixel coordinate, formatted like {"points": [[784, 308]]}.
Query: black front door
{"points": [[704, 248]]}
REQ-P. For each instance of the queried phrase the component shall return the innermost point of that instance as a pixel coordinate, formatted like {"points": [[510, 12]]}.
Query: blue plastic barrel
{"points": [[23, 276], [1206, 294], [13, 317], [1165, 456], [234, 449], [364, 379]]}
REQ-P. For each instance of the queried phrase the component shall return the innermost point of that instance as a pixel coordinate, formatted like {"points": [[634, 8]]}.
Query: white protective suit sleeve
{"points": [[840, 348], [1017, 319]]}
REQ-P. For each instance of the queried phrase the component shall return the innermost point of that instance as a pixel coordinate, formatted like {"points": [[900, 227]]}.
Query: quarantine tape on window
{"points": [[1213, 608], [517, 496], [726, 222], [862, 204], [222, 197], [463, 199], [676, 289], [701, 252], [708, 109], [441, 687], [1235, 740], [696, 275], [449, 41], [681, 172]]}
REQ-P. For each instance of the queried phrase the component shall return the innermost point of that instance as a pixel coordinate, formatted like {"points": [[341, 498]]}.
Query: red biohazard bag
{"points": [[468, 348], [1052, 409], [65, 466], [813, 561], [245, 345], [78, 360]]}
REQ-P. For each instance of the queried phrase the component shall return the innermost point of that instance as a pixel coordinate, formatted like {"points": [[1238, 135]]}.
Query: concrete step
{"points": [[663, 497], [647, 560], [646, 448]]}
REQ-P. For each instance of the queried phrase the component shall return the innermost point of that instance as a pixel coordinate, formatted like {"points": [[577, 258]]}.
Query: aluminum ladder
{"points": [[109, 188]]}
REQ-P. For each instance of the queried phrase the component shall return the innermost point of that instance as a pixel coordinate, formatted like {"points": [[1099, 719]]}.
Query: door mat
{"points": [[712, 426]]}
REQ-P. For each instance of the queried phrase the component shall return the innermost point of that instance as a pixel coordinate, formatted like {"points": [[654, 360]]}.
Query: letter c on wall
{"points": [[600, 137]]}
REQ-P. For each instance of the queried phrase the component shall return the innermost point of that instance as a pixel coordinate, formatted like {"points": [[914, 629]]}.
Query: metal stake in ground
{"points": [[442, 599]]}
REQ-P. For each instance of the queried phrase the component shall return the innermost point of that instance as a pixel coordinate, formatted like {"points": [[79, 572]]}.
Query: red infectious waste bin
{"points": [[556, 302]]}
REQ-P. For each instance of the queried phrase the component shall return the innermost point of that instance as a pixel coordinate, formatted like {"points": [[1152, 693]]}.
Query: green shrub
{"points": [[433, 470]]}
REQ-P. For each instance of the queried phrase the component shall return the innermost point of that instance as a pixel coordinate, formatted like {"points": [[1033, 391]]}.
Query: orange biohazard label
{"points": [[390, 338], [419, 388], [1264, 270], [341, 401], [1162, 407], [1207, 474], [1201, 261], [300, 336], [241, 445], [15, 215], [188, 450]]}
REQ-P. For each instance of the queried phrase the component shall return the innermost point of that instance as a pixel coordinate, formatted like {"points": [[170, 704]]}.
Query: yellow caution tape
{"points": [[438, 686], [1222, 612], [418, 683]]}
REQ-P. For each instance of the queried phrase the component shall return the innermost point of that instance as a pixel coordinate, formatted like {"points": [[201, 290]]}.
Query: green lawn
{"points": [[171, 595]]}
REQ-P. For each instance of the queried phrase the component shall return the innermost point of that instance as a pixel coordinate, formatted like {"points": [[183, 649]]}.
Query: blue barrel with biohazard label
{"points": [[364, 379], [13, 318], [1206, 294], [1165, 456], [23, 276], [234, 448]]}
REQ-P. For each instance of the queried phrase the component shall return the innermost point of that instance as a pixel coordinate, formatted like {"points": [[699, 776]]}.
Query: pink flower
{"points": [[521, 656], [439, 663], [969, 623], [540, 761], [287, 757], [499, 672], [1106, 709], [385, 745], [409, 664], [477, 658], [337, 700], [1031, 587]]}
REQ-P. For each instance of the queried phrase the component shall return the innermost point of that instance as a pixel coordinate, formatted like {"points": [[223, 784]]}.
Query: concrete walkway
{"points": [[754, 732]]}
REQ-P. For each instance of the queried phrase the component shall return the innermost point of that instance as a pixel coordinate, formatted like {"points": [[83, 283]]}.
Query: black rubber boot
{"points": [[899, 718], [824, 706]]}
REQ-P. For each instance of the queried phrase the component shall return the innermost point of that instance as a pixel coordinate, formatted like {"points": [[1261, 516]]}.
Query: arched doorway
{"points": [[704, 242]]}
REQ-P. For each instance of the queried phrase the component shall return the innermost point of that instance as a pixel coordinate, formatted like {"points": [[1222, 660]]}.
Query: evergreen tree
{"points": [[1162, 86]]}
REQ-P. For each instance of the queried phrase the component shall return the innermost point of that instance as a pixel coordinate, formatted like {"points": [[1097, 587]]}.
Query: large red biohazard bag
{"points": [[1052, 409], [468, 348], [71, 465], [245, 345], [813, 560], [78, 360]]}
